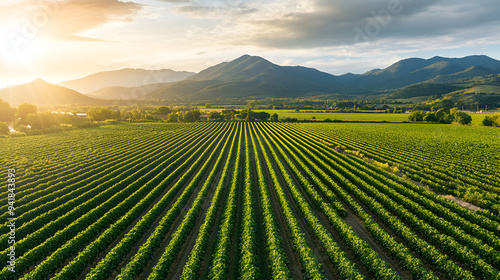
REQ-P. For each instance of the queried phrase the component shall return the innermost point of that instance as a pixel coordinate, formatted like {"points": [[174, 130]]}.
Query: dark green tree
{"points": [[25, 109], [192, 116], [274, 117], [462, 118], [215, 116], [488, 121], [447, 104], [430, 117], [173, 117], [417, 116], [164, 110]]}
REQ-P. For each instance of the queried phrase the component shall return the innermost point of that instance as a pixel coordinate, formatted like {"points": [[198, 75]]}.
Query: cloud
{"points": [[64, 19], [342, 23], [221, 9], [215, 11], [176, 1]]}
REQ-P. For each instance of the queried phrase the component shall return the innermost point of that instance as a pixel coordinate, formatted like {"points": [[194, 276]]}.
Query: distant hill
{"points": [[434, 70], [249, 76], [125, 78], [469, 61], [125, 93], [253, 76], [40, 92]]}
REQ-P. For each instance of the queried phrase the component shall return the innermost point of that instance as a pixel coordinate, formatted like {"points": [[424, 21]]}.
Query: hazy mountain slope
{"points": [[125, 93], [40, 92], [125, 78]]}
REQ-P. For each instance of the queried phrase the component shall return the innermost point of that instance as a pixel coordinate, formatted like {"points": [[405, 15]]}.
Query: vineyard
{"points": [[229, 200]]}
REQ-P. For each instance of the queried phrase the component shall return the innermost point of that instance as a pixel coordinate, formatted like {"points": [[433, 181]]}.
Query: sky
{"points": [[59, 40]]}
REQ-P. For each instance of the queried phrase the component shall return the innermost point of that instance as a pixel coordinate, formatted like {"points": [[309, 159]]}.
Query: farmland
{"points": [[229, 200], [349, 117]]}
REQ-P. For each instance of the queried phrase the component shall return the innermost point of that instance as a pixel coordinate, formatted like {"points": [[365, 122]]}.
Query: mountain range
{"points": [[40, 92], [125, 78], [252, 76], [255, 77]]}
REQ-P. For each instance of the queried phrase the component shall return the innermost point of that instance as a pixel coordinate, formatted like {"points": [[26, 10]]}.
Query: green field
{"points": [[237, 200], [321, 115]]}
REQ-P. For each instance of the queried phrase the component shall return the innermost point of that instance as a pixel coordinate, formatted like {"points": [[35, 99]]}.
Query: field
{"points": [[362, 117], [229, 200]]}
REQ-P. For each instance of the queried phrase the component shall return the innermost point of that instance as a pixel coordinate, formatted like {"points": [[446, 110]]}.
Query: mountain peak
{"points": [[126, 77], [40, 92], [242, 68], [39, 81]]}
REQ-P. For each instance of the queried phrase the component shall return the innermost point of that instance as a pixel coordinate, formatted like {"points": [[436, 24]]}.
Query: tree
{"points": [[262, 116], [25, 109], [136, 114], [274, 117], [229, 114], [173, 117], [440, 114], [430, 117], [208, 106], [488, 121], [41, 120], [4, 128], [164, 110], [251, 105], [453, 111], [7, 113], [417, 116], [34, 121], [215, 116], [192, 116], [462, 118], [100, 114], [447, 103]]}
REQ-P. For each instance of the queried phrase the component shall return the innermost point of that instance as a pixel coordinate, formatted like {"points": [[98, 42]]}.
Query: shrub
{"points": [[462, 118], [488, 121], [17, 134]]}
